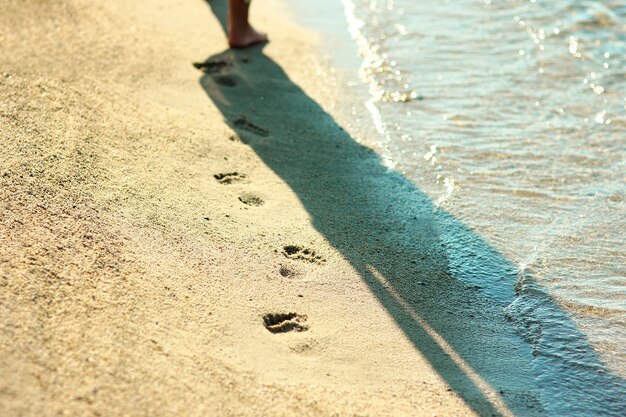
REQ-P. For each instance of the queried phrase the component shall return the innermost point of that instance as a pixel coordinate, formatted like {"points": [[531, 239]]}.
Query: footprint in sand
{"points": [[302, 253], [229, 177], [287, 272], [251, 200], [284, 322], [244, 124], [212, 66], [215, 68], [226, 81], [304, 348]]}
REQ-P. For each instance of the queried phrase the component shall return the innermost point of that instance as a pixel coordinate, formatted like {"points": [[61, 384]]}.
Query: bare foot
{"points": [[242, 37], [240, 33]]}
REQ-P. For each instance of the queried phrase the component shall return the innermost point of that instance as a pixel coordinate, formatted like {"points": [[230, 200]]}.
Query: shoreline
{"points": [[135, 281]]}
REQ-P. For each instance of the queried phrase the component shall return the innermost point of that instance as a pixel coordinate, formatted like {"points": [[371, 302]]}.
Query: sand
{"points": [[208, 241]]}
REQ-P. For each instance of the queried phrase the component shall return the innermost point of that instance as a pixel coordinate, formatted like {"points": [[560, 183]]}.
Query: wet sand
{"points": [[207, 240]]}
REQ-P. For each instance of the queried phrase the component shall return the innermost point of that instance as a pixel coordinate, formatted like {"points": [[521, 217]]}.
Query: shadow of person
{"points": [[380, 223], [421, 263]]}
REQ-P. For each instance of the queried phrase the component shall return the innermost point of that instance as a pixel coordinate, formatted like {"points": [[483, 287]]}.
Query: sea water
{"points": [[511, 116]]}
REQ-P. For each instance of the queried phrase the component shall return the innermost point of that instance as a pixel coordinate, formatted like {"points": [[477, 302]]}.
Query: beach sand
{"points": [[155, 217]]}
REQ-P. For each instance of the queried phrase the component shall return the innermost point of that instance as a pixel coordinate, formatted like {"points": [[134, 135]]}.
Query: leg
{"points": [[240, 33]]}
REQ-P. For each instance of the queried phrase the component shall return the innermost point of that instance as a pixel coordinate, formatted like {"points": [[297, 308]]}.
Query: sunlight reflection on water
{"points": [[512, 116]]}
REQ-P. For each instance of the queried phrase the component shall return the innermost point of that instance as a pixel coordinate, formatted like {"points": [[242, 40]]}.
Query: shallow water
{"points": [[511, 116]]}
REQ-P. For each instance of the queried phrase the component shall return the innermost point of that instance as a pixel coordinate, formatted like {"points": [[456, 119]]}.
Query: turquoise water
{"points": [[511, 116]]}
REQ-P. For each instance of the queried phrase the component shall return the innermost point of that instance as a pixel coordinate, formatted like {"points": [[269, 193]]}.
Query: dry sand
{"points": [[133, 282]]}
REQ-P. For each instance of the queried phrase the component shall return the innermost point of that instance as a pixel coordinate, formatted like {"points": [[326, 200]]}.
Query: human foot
{"points": [[242, 37]]}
